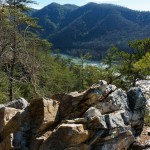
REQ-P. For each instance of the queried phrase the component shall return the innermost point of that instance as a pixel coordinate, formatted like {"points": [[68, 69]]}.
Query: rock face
{"points": [[100, 118], [137, 105], [145, 87], [20, 103]]}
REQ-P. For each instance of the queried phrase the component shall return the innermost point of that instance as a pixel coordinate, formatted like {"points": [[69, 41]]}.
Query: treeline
{"points": [[27, 68]]}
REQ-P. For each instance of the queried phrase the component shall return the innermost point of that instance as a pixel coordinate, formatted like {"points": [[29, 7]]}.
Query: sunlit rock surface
{"points": [[102, 117]]}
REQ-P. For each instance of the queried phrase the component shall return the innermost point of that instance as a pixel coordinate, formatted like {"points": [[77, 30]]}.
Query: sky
{"points": [[143, 5]]}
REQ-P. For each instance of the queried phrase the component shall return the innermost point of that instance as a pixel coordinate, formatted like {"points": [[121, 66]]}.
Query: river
{"points": [[77, 60]]}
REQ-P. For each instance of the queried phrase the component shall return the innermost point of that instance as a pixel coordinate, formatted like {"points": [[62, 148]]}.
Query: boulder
{"points": [[145, 87], [98, 92], [68, 102], [115, 101], [76, 103], [72, 134], [66, 135], [20, 103], [121, 142], [95, 119], [43, 113], [6, 144], [92, 112], [19, 140], [137, 104], [114, 120], [107, 121], [38, 140], [25, 120], [9, 121], [136, 99]]}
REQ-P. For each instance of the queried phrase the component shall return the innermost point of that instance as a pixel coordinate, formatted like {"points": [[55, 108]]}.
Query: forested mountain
{"points": [[51, 16], [93, 27]]}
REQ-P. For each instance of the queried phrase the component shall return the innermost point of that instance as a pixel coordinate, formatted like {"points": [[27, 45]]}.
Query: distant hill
{"points": [[51, 16], [92, 27]]}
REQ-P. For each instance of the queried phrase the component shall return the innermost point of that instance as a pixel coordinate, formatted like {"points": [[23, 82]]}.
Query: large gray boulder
{"points": [[137, 104], [145, 87], [115, 101]]}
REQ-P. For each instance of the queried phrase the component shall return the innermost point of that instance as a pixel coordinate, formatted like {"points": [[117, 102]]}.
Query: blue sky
{"points": [[133, 4]]}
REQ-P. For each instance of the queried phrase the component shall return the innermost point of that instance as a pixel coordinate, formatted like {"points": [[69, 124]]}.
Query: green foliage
{"points": [[53, 76], [27, 68], [140, 47], [147, 118], [128, 67], [143, 65], [3, 87], [110, 56]]}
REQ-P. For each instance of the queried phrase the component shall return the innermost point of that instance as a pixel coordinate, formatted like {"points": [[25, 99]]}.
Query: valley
{"points": [[92, 28]]}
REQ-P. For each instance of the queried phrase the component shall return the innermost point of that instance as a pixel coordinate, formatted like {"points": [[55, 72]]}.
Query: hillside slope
{"points": [[50, 17], [92, 27]]}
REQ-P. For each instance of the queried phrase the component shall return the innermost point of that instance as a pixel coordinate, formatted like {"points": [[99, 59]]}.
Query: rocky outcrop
{"points": [[145, 87], [100, 118], [137, 105], [20, 103]]}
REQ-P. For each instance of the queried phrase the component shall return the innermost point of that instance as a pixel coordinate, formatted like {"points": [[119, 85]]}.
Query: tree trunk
{"points": [[11, 84], [13, 61]]}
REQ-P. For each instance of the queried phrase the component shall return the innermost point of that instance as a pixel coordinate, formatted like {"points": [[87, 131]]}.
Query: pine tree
{"points": [[13, 52]]}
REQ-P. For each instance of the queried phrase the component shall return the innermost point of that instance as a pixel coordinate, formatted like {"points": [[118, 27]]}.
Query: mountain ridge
{"points": [[92, 27]]}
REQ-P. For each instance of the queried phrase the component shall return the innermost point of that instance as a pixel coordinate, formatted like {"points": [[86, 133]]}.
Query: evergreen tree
{"points": [[128, 67]]}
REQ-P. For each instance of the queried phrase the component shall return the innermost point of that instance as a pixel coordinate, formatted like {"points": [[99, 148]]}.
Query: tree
{"points": [[110, 56], [143, 65], [127, 65], [13, 50], [83, 58], [26, 64]]}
